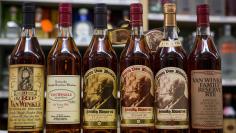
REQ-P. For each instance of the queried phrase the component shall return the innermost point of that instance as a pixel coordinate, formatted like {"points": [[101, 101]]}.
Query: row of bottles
{"points": [[46, 23], [155, 90]]}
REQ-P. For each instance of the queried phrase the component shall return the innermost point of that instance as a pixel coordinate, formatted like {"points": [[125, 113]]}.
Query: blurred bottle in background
{"points": [[229, 114], [217, 7], [12, 28], [230, 7], [227, 47], [83, 29], [54, 19], [38, 26], [155, 6]]}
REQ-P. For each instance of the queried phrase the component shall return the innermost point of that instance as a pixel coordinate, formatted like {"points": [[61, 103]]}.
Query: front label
{"points": [[175, 43], [137, 97], [63, 99], [26, 98], [171, 99], [100, 95], [206, 90]]}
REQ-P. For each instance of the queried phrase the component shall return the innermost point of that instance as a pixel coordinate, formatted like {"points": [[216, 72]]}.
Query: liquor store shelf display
{"points": [[154, 93]]}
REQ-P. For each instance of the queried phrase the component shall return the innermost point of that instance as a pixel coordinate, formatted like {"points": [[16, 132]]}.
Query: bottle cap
{"points": [[100, 16], [169, 14], [65, 14], [203, 15], [28, 15], [170, 8], [136, 14]]}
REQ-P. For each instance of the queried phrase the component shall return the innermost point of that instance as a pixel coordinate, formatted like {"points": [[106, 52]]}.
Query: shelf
{"points": [[3, 94], [109, 2], [193, 18], [42, 42], [230, 83]]}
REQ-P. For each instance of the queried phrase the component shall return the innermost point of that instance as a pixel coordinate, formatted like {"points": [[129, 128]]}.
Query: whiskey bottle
{"points": [[171, 81], [100, 82], [26, 79], [205, 73], [136, 80], [63, 78]]}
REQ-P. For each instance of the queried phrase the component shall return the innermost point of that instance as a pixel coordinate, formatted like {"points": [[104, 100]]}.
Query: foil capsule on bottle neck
{"points": [[169, 14]]}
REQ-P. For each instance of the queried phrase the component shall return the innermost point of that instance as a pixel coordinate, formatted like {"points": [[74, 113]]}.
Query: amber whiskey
{"points": [[136, 80], [100, 81], [205, 72], [26, 79], [171, 81], [63, 79]]}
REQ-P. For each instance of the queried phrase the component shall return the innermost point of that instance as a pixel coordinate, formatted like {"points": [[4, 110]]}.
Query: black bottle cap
{"points": [[100, 16], [28, 15]]}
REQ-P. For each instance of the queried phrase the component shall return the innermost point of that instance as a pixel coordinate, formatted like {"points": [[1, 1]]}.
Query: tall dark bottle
{"points": [[205, 72], [136, 80], [26, 79], [63, 79], [100, 81], [171, 81]]}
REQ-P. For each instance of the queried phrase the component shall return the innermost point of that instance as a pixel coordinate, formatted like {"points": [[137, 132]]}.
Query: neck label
{"points": [[175, 43]]}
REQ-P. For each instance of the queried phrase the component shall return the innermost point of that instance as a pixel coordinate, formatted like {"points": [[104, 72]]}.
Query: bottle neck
{"points": [[203, 31], [28, 32], [83, 17], [65, 31], [100, 32], [137, 31], [170, 33]]}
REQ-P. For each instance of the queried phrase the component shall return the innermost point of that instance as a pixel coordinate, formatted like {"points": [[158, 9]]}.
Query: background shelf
{"points": [[109, 2], [193, 18]]}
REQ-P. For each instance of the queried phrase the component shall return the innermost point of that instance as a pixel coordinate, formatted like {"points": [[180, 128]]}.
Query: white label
{"points": [[63, 99]]}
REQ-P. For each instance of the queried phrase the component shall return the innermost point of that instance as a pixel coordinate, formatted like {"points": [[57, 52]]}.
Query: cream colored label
{"points": [[100, 118], [26, 97], [63, 99], [171, 99], [229, 125], [175, 43], [100, 103], [137, 99], [206, 90]]}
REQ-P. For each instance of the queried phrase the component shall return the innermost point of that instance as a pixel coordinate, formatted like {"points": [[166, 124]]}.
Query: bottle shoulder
{"points": [[204, 48], [27, 51]]}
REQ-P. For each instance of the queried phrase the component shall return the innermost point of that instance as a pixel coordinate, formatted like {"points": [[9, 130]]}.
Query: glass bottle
{"points": [[12, 27], [63, 79], [229, 114], [26, 79], [227, 47], [136, 80], [100, 81], [83, 29], [171, 81], [204, 70]]}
